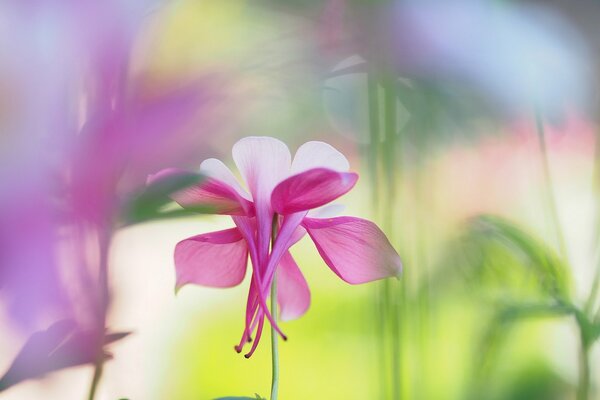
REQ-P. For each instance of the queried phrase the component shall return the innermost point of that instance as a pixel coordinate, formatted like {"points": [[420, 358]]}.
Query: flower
{"points": [[282, 191], [496, 49], [80, 130]]}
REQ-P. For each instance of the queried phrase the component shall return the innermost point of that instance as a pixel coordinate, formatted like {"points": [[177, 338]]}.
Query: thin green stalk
{"points": [[274, 343], [548, 184], [596, 190], [373, 153], [274, 335], [389, 159], [373, 95], [95, 380], [589, 305], [391, 130], [583, 389]]}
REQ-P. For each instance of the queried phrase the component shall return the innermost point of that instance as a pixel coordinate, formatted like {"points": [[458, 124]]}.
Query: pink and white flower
{"points": [[281, 192]]}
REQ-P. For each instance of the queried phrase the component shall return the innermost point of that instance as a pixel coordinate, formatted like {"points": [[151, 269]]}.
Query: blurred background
{"points": [[473, 125]]}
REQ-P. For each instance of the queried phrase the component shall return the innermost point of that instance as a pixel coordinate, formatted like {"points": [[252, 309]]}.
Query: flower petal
{"points": [[215, 168], [216, 259], [263, 162], [355, 249], [212, 193], [293, 294], [311, 189], [328, 211], [318, 155]]}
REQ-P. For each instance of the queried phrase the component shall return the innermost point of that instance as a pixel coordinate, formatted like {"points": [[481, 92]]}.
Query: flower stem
{"points": [[274, 344], [583, 389], [95, 380], [274, 335]]}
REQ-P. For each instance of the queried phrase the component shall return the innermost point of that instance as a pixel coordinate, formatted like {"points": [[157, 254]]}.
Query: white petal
{"points": [[263, 162], [214, 168], [318, 155]]}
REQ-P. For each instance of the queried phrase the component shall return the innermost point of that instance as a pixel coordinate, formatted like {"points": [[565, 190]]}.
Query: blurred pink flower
{"points": [[83, 132], [83, 135], [282, 192]]}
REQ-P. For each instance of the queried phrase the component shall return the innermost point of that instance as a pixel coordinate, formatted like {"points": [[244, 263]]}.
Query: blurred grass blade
{"points": [[535, 256], [497, 331]]}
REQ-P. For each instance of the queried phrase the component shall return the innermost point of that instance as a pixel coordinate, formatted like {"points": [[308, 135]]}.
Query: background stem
{"points": [[583, 389], [553, 209]]}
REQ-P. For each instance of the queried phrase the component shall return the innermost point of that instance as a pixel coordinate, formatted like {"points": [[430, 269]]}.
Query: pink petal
{"points": [[212, 193], [216, 259], [318, 155], [355, 249], [311, 189], [297, 235], [263, 162], [293, 294], [289, 233]]}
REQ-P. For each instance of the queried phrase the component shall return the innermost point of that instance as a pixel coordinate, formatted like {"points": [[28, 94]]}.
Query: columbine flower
{"points": [[281, 193]]}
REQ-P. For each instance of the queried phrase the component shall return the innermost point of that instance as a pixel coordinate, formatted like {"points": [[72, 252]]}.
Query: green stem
{"points": [[373, 94], [390, 157], [583, 389], [95, 380], [374, 158], [274, 335], [596, 189], [548, 184]]}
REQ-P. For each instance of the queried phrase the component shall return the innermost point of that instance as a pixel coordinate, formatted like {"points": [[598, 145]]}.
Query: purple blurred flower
{"points": [[84, 134], [515, 54], [62, 345]]}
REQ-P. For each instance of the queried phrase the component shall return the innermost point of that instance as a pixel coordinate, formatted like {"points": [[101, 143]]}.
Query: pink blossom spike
{"points": [[216, 259], [283, 193], [355, 249], [245, 225]]}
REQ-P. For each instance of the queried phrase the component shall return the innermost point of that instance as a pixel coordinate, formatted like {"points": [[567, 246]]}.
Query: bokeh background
{"points": [[473, 126]]}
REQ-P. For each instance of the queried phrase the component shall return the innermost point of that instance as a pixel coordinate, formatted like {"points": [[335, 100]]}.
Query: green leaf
{"points": [[151, 203], [242, 398], [495, 335], [510, 254]]}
